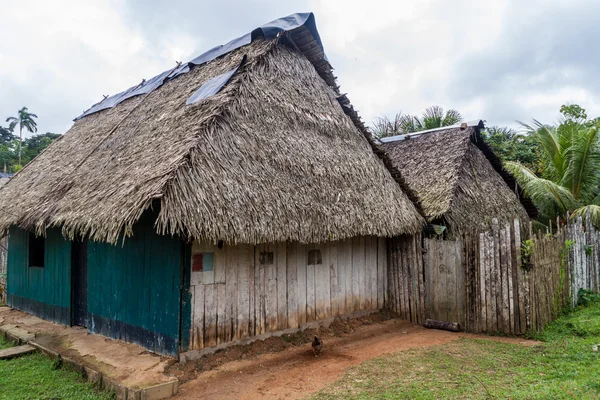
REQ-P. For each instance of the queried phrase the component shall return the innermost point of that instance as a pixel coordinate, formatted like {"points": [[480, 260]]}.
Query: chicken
{"points": [[317, 345]]}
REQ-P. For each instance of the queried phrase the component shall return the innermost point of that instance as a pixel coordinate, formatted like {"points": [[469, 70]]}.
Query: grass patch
{"points": [[4, 343], [34, 377], [563, 367]]}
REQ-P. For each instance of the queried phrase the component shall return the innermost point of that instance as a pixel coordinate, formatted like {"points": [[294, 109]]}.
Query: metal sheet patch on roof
{"points": [[214, 85], [268, 31]]}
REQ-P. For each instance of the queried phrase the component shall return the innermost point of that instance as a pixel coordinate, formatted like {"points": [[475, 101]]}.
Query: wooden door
{"points": [[79, 284]]}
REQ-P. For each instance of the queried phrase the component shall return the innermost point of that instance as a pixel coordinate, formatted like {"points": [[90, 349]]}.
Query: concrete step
{"points": [[17, 351]]}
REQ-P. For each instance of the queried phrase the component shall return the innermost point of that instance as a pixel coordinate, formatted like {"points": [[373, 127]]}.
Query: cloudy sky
{"points": [[499, 60]]}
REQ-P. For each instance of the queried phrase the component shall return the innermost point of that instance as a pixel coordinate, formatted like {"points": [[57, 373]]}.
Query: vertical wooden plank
{"points": [[435, 286], [497, 276], [334, 279], [302, 279], [245, 258], [358, 262], [405, 282], [461, 287], [392, 280], [281, 267], [414, 278], [259, 301], [504, 277], [419, 260], [198, 317], [292, 285], [231, 266], [362, 277], [270, 293], [366, 283], [482, 285], [510, 278], [252, 291], [210, 315], [451, 284], [517, 277], [381, 273], [489, 284], [222, 323], [345, 268], [322, 285], [372, 270], [310, 289]]}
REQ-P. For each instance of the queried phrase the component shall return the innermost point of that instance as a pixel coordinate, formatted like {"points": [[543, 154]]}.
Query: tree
{"points": [[25, 119], [570, 166], [509, 145], [384, 127], [432, 117], [6, 135], [34, 145]]}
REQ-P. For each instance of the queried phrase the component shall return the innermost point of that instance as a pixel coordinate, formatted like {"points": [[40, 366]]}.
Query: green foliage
{"points": [[432, 117], [569, 160], [31, 147], [527, 247], [24, 120], [511, 146], [585, 298], [594, 213]]}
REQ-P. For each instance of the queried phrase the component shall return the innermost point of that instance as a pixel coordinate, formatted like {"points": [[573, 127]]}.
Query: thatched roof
{"points": [[271, 157], [458, 178]]}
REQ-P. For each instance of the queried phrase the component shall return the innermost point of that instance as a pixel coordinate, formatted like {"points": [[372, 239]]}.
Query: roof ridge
{"points": [[477, 124]]}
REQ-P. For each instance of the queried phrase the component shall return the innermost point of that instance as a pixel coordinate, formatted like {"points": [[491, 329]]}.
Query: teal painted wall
{"points": [[45, 292], [134, 289]]}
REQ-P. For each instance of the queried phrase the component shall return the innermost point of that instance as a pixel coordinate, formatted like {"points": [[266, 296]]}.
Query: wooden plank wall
{"points": [[406, 285], [479, 280], [246, 296]]}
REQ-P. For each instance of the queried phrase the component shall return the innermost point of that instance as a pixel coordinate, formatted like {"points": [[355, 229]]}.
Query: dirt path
{"points": [[295, 372]]}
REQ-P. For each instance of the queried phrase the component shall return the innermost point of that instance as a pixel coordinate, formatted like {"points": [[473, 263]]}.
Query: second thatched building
{"points": [[459, 181]]}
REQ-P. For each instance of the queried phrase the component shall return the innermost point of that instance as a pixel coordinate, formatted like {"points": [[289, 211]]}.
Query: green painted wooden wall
{"points": [[45, 292], [134, 289]]}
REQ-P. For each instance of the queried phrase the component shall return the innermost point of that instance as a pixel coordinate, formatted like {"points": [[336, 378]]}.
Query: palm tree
{"points": [[432, 117], [25, 120], [385, 127], [569, 182]]}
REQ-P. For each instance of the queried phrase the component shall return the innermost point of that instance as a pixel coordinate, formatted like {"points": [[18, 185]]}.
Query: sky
{"points": [[500, 60]]}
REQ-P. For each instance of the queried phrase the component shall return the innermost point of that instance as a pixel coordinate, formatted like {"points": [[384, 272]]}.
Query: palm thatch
{"points": [[458, 179], [271, 157]]}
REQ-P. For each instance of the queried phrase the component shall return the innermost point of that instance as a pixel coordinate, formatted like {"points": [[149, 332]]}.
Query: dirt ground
{"points": [[286, 368], [127, 363]]}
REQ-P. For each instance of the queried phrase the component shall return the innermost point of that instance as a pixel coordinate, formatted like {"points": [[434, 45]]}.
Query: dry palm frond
{"points": [[455, 180]]}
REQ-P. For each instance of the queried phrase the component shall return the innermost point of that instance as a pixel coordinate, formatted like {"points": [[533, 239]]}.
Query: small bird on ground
{"points": [[317, 345]]}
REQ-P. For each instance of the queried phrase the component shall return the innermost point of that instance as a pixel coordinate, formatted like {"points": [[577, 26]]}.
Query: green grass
{"points": [[5, 344], [34, 377], [563, 367]]}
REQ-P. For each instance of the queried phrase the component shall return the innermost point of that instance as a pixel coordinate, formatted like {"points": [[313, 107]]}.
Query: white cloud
{"points": [[497, 60]]}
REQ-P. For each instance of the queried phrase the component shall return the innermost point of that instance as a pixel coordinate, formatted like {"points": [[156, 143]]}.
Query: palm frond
{"points": [[452, 117], [583, 172], [410, 123], [550, 198], [594, 213]]}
